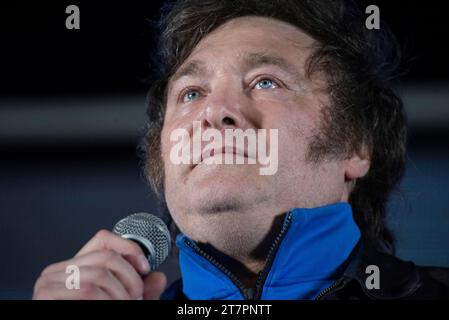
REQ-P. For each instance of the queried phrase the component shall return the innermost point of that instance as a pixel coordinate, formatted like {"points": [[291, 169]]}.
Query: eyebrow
{"points": [[255, 60], [196, 68], [193, 68]]}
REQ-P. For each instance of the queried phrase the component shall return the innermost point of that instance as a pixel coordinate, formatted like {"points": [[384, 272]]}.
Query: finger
{"points": [[106, 240], [154, 284], [139, 263], [101, 277], [108, 259], [58, 291]]}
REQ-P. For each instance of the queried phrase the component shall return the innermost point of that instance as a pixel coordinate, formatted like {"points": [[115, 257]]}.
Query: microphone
{"points": [[150, 233]]}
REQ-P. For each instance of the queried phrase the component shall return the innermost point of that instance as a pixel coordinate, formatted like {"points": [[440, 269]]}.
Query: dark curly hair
{"points": [[360, 66]]}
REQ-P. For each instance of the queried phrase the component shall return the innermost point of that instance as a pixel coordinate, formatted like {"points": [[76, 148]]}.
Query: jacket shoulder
{"points": [[398, 279], [437, 273]]}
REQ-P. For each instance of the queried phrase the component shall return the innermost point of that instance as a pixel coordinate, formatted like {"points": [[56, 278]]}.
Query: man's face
{"points": [[248, 74]]}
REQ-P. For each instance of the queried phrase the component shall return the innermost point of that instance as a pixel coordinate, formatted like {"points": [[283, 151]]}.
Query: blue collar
{"points": [[310, 257]]}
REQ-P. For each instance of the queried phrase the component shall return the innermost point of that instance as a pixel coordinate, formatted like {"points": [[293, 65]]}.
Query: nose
{"points": [[228, 108]]}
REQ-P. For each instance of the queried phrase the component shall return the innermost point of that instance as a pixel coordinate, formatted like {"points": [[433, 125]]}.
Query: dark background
{"points": [[72, 106]]}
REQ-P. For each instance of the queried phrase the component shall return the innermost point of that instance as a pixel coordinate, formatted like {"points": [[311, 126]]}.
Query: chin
{"points": [[211, 174], [222, 187], [219, 197]]}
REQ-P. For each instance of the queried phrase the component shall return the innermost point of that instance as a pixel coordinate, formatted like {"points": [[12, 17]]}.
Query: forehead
{"points": [[249, 39], [246, 61], [251, 30]]}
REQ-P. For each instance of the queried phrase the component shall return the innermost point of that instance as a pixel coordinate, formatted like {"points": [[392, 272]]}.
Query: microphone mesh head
{"points": [[149, 231]]}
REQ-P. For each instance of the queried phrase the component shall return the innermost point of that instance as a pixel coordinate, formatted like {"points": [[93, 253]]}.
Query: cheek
{"points": [[172, 127], [180, 121], [295, 132], [297, 113], [165, 143], [174, 172], [168, 166]]}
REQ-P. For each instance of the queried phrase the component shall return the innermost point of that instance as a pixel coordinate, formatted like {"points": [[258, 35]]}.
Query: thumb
{"points": [[153, 285]]}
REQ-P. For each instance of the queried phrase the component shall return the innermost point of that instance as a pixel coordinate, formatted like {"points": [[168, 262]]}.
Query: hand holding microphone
{"points": [[114, 265]]}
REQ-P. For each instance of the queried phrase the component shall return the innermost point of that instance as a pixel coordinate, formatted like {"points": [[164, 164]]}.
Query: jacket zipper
{"points": [[248, 293], [243, 290], [270, 257], [336, 285]]}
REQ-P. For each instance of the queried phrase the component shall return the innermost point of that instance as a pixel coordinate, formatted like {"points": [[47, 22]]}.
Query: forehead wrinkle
{"points": [[198, 69], [258, 59], [193, 68]]}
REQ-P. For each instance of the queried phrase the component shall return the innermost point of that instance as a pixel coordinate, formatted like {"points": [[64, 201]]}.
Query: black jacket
{"points": [[398, 280]]}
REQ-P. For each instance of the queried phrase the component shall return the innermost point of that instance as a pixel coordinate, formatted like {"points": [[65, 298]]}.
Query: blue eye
{"points": [[191, 95], [265, 84]]}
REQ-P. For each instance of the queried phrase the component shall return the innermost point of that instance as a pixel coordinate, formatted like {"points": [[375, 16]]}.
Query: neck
{"points": [[246, 270], [248, 265]]}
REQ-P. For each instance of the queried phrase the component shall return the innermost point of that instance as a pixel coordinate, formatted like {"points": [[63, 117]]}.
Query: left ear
{"points": [[358, 165]]}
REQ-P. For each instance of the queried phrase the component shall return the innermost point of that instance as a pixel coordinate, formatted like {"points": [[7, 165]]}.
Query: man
{"points": [[315, 227]]}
